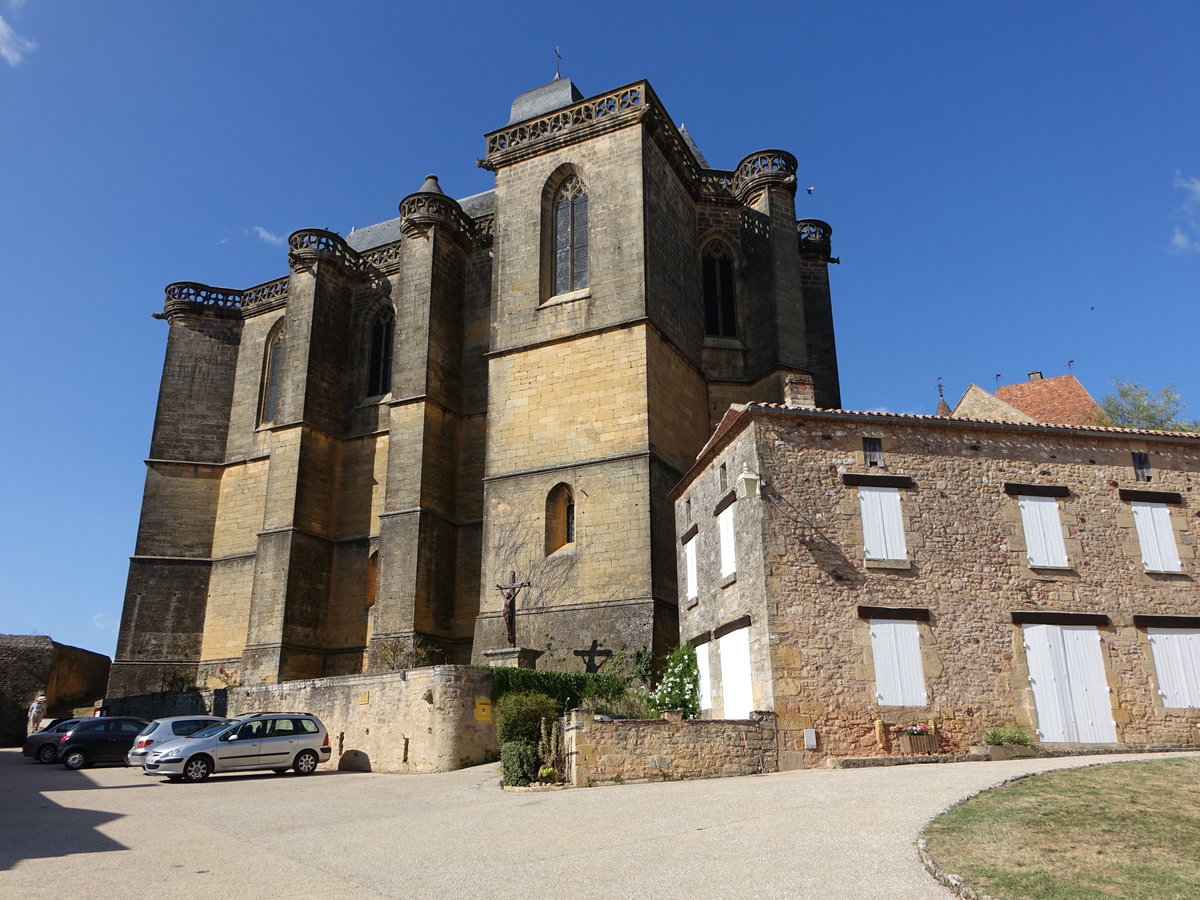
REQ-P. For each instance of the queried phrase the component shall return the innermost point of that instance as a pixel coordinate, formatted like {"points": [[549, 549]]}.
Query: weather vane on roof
{"points": [[941, 393], [557, 64]]}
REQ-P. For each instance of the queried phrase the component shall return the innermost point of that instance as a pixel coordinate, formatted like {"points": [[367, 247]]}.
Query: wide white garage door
{"points": [[1069, 687]]}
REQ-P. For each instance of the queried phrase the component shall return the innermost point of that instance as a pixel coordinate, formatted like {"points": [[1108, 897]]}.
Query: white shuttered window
{"points": [[705, 667], [1177, 664], [883, 527], [1043, 533], [1070, 690], [737, 687], [899, 675], [725, 530], [1157, 538], [689, 565]]}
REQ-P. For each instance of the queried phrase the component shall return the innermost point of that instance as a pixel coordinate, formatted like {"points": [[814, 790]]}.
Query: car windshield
{"points": [[214, 729]]}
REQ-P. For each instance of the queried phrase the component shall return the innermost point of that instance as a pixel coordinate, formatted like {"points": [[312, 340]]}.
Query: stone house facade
{"points": [[860, 572], [360, 451]]}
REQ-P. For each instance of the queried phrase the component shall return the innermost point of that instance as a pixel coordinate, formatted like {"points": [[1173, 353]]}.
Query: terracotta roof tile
{"points": [[1059, 400]]}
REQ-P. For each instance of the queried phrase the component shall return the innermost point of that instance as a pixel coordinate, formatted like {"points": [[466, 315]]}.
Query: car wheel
{"points": [[197, 769], [75, 759], [47, 753], [306, 762]]}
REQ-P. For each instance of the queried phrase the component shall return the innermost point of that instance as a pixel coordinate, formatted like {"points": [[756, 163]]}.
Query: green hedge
{"points": [[519, 716], [564, 687], [518, 763]]}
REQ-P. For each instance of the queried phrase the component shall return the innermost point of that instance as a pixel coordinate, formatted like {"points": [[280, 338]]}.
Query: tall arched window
{"points": [[569, 224], [379, 357], [272, 376], [560, 518], [720, 305]]}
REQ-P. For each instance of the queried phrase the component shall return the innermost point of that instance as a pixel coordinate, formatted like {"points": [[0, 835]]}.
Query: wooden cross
{"points": [[509, 593], [589, 656]]}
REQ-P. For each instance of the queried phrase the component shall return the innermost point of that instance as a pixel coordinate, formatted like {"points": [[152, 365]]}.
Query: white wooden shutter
{"points": [[883, 526], [691, 578], [725, 527], [1070, 690], [1043, 533], [703, 664], [737, 687], [1177, 664], [1156, 537], [899, 675]]}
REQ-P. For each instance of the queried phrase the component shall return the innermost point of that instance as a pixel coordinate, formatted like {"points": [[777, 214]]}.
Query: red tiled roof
{"points": [[1060, 400]]}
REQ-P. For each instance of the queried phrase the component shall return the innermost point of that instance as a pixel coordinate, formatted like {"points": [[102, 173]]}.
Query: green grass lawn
{"points": [[1120, 830]]}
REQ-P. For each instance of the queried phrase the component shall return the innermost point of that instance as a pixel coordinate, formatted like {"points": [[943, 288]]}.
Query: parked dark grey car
{"points": [[43, 745], [106, 739]]}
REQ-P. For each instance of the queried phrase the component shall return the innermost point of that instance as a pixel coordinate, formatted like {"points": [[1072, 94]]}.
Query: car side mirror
{"points": [[232, 736]]}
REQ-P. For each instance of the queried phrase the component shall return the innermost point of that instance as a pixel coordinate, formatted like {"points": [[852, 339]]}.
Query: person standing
{"points": [[36, 711]]}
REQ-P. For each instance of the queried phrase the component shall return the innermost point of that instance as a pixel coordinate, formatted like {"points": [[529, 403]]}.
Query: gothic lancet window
{"points": [[272, 377], [379, 359], [560, 518], [720, 307], [569, 226]]}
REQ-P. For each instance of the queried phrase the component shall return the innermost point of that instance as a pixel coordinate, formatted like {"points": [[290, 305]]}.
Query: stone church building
{"points": [[510, 384]]}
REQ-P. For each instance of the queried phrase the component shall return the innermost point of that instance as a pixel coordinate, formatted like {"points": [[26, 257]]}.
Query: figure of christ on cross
{"points": [[509, 593]]}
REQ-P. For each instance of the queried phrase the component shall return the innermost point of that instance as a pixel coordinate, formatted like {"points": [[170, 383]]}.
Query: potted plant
{"points": [[918, 739], [1009, 742]]}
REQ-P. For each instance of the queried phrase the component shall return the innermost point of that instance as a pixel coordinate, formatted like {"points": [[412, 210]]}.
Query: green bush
{"points": [[519, 716], [680, 685], [518, 763], [566, 688], [1006, 734]]}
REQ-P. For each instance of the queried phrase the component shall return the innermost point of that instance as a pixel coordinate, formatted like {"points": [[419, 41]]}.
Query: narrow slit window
{"points": [[272, 377], [570, 236], [1141, 466], [720, 302], [560, 518], [379, 362], [873, 451]]}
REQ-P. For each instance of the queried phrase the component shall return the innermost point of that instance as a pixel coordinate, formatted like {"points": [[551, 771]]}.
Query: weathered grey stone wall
{"points": [[32, 664], [421, 720], [666, 749]]}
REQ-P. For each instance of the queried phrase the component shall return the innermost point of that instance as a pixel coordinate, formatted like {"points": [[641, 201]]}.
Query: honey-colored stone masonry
{"points": [[802, 576]]}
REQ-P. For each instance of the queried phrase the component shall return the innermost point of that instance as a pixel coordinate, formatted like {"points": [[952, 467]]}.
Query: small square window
{"points": [[1141, 466], [873, 451], [722, 479]]}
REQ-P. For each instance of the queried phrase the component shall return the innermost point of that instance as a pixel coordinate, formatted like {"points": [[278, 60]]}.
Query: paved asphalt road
{"points": [[113, 832]]}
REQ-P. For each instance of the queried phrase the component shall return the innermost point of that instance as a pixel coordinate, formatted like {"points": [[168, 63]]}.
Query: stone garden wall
{"points": [[433, 719], [666, 749]]}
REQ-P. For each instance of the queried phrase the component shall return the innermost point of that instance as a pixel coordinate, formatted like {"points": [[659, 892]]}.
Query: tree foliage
{"points": [[1133, 405]]}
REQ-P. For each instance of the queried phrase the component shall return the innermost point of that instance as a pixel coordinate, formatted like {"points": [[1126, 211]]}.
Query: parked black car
{"points": [[43, 745], [105, 739]]}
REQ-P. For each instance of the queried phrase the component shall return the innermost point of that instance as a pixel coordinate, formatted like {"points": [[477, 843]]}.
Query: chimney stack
{"points": [[798, 391], [1035, 376]]}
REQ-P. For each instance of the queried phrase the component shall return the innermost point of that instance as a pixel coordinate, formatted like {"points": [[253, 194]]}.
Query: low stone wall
{"points": [[421, 720], [666, 749]]}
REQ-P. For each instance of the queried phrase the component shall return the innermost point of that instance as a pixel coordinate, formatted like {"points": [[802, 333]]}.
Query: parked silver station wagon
{"points": [[274, 741]]}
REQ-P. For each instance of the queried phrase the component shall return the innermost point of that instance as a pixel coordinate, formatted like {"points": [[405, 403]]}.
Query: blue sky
{"points": [[1011, 186]]}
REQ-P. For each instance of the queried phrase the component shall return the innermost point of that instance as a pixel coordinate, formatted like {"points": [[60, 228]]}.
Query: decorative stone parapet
{"points": [[603, 751], [311, 244], [185, 297], [813, 235]]}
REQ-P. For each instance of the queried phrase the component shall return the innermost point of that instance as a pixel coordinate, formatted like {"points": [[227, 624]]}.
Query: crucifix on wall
{"points": [[509, 593]]}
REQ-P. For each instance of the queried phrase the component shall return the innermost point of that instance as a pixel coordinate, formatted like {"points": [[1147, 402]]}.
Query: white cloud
{"points": [[267, 237], [1185, 235], [13, 47], [98, 621]]}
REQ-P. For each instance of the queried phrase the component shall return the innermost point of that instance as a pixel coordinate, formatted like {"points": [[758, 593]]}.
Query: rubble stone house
{"points": [[859, 572], [361, 450]]}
